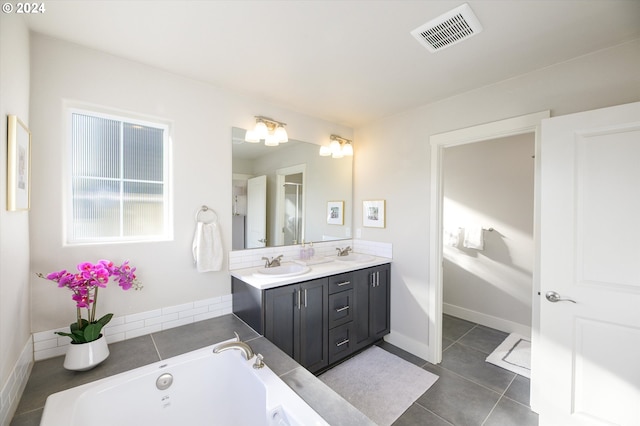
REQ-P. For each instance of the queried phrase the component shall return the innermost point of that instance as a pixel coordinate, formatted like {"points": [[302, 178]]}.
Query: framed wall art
{"points": [[373, 213], [335, 212], [18, 165]]}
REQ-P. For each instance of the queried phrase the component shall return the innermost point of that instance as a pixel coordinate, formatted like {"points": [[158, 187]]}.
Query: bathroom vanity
{"points": [[320, 317]]}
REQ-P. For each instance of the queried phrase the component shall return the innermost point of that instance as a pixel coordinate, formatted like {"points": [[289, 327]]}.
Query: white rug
{"points": [[379, 384], [514, 354]]}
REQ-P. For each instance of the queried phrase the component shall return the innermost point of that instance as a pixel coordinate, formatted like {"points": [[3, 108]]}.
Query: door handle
{"points": [[554, 297]]}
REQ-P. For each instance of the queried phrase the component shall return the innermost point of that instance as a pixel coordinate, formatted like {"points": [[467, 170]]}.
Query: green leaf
{"points": [[74, 337], [92, 331], [105, 319], [74, 325]]}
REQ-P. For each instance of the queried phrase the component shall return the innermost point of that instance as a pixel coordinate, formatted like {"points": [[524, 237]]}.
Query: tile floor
{"points": [[470, 391]]}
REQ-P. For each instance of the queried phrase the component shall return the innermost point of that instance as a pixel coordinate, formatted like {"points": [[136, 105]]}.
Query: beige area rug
{"points": [[379, 384], [514, 354]]}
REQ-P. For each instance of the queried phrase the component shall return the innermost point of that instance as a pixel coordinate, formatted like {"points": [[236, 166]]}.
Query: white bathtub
{"points": [[206, 389]]}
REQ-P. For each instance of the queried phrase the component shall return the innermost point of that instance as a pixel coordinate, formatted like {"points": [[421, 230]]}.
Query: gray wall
{"points": [[14, 226], [392, 162], [201, 116]]}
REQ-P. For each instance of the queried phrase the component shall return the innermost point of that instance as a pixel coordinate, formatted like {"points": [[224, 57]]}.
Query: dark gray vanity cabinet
{"points": [[319, 322], [372, 304], [295, 320]]}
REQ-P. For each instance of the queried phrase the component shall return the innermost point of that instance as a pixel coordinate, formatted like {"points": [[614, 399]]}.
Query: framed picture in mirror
{"points": [[18, 165], [335, 212], [373, 213]]}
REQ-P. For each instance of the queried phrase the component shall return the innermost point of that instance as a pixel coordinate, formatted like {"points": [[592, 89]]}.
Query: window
{"points": [[119, 179]]}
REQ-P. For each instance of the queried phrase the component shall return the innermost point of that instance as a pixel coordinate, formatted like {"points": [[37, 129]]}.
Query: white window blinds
{"points": [[119, 188]]}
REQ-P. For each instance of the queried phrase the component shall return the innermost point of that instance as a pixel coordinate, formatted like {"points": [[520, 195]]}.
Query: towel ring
{"points": [[205, 209]]}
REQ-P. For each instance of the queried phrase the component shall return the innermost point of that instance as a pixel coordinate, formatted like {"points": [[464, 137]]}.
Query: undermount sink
{"points": [[355, 257], [288, 270]]}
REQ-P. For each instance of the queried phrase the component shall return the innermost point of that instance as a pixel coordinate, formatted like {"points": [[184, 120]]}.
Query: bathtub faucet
{"points": [[241, 346]]}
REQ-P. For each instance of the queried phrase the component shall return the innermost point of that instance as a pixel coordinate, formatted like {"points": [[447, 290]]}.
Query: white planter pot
{"points": [[85, 356]]}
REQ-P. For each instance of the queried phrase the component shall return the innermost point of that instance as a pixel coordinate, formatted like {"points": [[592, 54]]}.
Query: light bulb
{"points": [[261, 130], [281, 134], [325, 151], [251, 136], [271, 140], [347, 149], [335, 147]]}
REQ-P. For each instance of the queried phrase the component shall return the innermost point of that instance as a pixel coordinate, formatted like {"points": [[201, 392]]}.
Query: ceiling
{"points": [[345, 61]]}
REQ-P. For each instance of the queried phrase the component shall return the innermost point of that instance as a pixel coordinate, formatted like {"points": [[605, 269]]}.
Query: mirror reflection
{"points": [[287, 194]]}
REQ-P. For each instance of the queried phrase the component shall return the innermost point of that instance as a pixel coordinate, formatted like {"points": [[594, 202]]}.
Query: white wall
{"points": [[201, 116], [14, 226], [392, 161], [490, 184]]}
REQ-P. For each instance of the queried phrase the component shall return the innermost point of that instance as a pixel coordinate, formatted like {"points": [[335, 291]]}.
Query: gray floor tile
{"points": [[417, 415], [176, 341], [458, 401], [520, 390], [446, 343], [470, 363], [509, 413], [484, 339], [454, 328], [31, 418]]}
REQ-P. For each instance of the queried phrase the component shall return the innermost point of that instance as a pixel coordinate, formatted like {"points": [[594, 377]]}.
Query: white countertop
{"points": [[319, 270]]}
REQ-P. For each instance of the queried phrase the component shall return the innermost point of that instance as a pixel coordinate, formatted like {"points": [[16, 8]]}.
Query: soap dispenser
{"points": [[311, 251], [303, 251]]}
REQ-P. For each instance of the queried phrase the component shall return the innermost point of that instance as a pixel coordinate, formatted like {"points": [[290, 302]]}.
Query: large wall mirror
{"points": [[288, 194]]}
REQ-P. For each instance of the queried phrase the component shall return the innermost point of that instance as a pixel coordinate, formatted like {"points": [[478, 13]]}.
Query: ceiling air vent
{"points": [[448, 29]]}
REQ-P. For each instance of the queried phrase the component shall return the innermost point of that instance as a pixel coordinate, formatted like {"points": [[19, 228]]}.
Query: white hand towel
{"points": [[207, 247], [452, 237], [474, 237]]}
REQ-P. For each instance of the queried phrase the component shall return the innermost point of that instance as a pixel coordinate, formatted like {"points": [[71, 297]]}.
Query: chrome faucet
{"points": [[345, 251], [270, 263], [241, 346]]}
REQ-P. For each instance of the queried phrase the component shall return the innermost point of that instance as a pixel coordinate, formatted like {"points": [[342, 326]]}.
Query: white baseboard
{"points": [[487, 320], [12, 390]]}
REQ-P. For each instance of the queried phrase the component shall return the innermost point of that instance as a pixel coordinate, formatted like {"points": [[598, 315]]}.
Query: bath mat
{"points": [[379, 384], [514, 354]]}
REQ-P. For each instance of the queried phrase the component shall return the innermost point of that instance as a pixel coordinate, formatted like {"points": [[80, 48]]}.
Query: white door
{"points": [[587, 357], [257, 212]]}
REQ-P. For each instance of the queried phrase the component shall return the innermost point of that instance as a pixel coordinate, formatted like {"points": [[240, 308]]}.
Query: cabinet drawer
{"points": [[340, 282], [340, 308], [341, 342]]}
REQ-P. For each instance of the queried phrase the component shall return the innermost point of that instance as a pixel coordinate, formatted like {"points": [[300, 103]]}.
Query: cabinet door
{"points": [[314, 325], [379, 307], [362, 283], [372, 311], [282, 318]]}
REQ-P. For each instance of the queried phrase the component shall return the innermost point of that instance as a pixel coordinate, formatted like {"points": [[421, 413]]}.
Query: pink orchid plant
{"points": [[85, 284]]}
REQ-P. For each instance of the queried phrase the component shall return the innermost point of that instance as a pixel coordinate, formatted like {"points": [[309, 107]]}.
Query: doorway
{"points": [[528, 124], [289, 220], [488, 246]]}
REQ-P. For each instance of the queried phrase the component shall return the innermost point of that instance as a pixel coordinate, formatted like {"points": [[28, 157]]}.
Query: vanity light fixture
{"points": [[271, 131], [338, 147]]}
